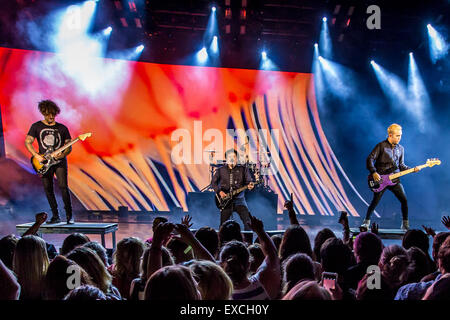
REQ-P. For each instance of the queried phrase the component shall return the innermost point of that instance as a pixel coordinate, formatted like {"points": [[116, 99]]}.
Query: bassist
{"points": [[52, 135], [228, 178], [386, 158]]}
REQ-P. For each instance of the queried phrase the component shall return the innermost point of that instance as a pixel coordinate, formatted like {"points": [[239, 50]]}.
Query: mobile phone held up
{"points": [[329, 280]]}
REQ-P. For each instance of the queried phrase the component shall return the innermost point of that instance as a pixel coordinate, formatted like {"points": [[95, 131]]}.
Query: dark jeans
{"points": [[243, 212], [60, 171], [399, 193]]}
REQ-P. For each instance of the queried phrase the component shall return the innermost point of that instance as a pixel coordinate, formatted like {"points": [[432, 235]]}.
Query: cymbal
{"points": [[210, 151]]}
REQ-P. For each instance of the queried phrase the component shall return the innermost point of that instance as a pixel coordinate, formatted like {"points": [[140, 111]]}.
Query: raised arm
{"points": [[160, 236], [200, 252], [289, 205], [41, 217], [269, 272]]}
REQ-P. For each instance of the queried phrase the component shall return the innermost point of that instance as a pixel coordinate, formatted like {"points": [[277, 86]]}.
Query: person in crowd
{"points": [[137, 288], [125, 268], [209, 238], [419, 265], [256, 257], [296, 268], [30, 264], [91, 263], [60, 275], [336, 257], [86, 293], [295, 240], [320, 238], [7, 245], [181, 251], [367, 248], [99, 250], [308, 290], [235, 260], [418, 238], [416, 291], [438, 240], [73, 241], [213, 282], [172, 283], [393, 273], [276, 238], [230, 230]]}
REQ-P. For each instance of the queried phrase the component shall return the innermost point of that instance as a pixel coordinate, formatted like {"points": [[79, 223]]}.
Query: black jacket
{"points": [[386, 159], [241, 177]]}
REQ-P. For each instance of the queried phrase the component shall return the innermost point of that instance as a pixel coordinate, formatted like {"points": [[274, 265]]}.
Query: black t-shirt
{"points": [[49, 136]]}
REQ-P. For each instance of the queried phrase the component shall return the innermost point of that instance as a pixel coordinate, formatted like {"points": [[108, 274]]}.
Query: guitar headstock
{"points": [[83, 136], [433, 162]]}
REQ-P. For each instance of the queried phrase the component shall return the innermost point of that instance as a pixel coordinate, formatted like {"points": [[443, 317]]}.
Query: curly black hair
{"points": [[48, 107]]}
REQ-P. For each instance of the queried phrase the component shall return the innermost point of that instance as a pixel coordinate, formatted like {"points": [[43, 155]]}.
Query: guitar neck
{"points": [[64, 147], [402, 173]]}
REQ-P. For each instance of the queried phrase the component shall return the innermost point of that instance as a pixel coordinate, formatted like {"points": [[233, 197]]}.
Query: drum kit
{"points": [[259, 170]]}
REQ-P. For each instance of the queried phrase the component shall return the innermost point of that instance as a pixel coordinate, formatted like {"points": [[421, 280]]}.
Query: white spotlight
{"points": [[264, 55], [140, 48], [324, 19], [202, 55], [107, 31]]}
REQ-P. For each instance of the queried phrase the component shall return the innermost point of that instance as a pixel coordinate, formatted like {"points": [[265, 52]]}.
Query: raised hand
{"points": [[289, 205], [446, 221], [162, 233], [41, 217], [429, 231], [186, 220], [256, 224], [185, 234]]}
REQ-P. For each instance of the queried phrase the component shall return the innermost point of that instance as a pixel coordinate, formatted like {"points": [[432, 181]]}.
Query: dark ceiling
{"points": [[173, 30]]}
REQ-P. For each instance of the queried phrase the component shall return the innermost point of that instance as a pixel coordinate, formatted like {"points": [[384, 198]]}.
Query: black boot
{"points": [[69, 218], [55, 219]]}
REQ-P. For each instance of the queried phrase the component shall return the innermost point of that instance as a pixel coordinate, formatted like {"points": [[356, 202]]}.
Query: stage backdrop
{"points": [[134, 109]]}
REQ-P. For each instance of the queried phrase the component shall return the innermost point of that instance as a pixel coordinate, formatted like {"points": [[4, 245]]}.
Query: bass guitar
{"points": [[392, 179], [42, 167]]}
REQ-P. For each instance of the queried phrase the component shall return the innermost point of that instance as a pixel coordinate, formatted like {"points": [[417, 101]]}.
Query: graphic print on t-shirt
{"points": [[50, 138]]}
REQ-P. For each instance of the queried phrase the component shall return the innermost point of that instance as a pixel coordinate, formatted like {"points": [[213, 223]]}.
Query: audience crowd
{"points": [[178, 264]]}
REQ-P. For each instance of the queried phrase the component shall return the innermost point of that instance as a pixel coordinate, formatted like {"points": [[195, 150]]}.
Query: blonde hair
{"points": [[30, 264], [213, 282], [127, 257], [393, 127], [88, 260]]}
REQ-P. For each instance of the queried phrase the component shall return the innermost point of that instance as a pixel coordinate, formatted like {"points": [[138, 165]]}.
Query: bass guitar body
{"points": [[378, 186]]}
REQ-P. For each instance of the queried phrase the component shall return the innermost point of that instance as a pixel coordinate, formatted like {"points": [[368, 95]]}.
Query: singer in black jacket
{"points": [[231, 177]]}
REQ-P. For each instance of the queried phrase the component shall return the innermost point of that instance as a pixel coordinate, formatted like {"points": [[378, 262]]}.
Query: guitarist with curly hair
{"points": [[52, 135]]}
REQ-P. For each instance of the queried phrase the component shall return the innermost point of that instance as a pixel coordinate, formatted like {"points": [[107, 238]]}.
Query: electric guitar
{"points": [[42, 167], [391, 179], [224, 202]]}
